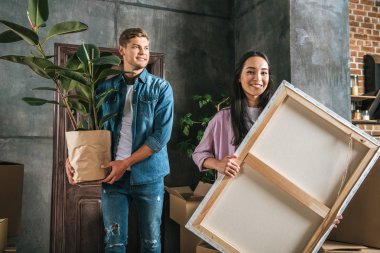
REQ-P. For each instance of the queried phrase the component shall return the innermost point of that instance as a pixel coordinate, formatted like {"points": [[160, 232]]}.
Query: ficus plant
{"points": [[77, 80], [193, 128]]}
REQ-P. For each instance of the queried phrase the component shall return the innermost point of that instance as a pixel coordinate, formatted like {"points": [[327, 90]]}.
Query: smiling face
{"points": [[135, 54], [254, 79]]}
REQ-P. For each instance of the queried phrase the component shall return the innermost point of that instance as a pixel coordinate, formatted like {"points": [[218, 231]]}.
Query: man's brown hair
{"points": [[130, 33]]}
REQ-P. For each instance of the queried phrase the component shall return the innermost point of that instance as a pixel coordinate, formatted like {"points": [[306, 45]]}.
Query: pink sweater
{"points": [[217, 139]]}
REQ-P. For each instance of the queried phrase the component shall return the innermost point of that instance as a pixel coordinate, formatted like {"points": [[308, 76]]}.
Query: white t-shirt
{"points": [[253, 114], [124, 148]]}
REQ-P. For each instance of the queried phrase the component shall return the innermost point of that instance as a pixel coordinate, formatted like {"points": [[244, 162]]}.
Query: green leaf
{"points": [[86, 53], [38, 65], [187, 147], [81, 98], [38, 12], [196, 97], [186, 130], [106, 73], [45, 88], [14, 58], [84, 90], [26, 34], [190, 152], [55, 67], [103, 96], [66, 28], [67, 84], [208, 176], [73, 64], [38, 101], [205, 120], [187, 121], [84, 125], [73, 75], [106, 118], [200, 135], [79, 107], [112, 60], [9, 36]]}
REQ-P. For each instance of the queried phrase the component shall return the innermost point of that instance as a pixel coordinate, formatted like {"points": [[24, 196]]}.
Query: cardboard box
{"points": [[3, 233], [188, 241], [337, 247], [204, 247], [10, 250], [11, 184], [361, 223], [184, 201]]}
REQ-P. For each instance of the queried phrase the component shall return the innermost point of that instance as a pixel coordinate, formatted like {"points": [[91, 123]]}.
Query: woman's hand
{"points": [[337, 220], [228, 166]]}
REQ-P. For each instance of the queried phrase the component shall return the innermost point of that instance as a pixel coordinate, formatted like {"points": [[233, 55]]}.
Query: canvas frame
{"points": [[315, 209]]}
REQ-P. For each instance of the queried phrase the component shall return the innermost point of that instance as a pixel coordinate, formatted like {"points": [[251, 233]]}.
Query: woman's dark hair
{"points": [[239, 102]]}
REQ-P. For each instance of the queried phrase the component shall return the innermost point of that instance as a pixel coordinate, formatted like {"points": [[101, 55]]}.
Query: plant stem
{"points": [[67, 105], [59, 90], [222, 102], [39, 47]]}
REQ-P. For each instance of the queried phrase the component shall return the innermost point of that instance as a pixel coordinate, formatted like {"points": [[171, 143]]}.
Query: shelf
{"points": [[362, 98], [360, 121]]}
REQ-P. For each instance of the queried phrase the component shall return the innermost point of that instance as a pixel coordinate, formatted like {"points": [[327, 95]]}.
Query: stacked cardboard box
{"points": [[361, 222], [338, 247], [183, 202], [10, 250], [3, 234], [11, 185], [204, 247]]}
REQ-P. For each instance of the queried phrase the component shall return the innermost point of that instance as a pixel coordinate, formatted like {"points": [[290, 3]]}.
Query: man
{"points": [[140, 132]]}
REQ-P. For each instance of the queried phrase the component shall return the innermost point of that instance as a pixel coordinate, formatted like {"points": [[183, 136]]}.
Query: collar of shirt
{"points": [[140, 78]]}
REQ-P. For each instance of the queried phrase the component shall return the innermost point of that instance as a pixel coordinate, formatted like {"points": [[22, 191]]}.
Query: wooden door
{"points": [[76, 216]]}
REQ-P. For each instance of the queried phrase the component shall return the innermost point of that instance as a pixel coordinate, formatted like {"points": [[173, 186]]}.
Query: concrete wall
{"points": [[197, 40], [319, 49], [264, 26], [306, 41]]}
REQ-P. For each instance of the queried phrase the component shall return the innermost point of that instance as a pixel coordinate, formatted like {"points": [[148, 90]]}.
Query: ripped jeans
{"points": [[116, 199]]}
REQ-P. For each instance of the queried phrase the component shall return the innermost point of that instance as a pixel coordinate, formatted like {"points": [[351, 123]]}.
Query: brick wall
{"points": [[370, 129], [364, 16]]}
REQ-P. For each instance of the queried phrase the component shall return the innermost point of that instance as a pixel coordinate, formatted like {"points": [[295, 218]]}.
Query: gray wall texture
{"points": [[264, 26], [319, 50], [306, 41], [197, 40]]}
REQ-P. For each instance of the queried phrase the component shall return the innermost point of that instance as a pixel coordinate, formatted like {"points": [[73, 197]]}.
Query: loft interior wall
{"points": [[307, 43], [201, 41], [197, 40]]}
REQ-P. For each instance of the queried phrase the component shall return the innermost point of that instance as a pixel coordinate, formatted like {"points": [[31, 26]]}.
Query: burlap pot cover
{"points": [[88, 150]]}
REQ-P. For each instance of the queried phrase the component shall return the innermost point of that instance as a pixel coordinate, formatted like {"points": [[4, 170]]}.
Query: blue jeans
{"points": [[116, 199]]}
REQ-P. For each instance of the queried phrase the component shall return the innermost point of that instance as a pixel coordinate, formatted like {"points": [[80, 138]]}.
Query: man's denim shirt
{"points": [[152, 105]]}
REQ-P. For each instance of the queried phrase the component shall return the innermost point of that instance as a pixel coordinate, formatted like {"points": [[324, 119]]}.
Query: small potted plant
{"points": [[75, 82], [194, 129]]}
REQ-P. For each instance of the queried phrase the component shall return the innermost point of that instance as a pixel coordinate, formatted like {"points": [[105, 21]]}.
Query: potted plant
{"points": [[75, 82], [194, 129]]}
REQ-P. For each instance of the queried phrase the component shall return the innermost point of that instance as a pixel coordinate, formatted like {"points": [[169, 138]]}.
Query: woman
{"points": [[252, 86]]}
